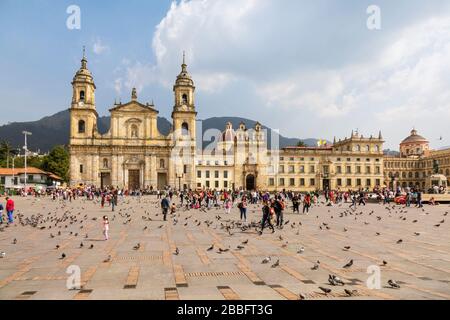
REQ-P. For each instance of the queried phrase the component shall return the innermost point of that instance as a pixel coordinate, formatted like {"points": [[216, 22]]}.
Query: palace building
{"points": [[134, 154]]}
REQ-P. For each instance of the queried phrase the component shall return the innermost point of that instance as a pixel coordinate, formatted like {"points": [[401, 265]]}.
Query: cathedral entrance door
{"points": [[162, 180], [250, 182], [133, 179], [105, 180]]}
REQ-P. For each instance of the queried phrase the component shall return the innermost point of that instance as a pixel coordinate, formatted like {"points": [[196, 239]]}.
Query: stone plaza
{"points": [[172, 260]]}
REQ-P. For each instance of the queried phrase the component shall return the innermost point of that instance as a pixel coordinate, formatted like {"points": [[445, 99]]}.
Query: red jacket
{"points": [[10, 205]]}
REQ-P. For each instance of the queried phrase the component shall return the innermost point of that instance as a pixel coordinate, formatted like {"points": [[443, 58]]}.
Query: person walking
{"points": [[165, 205], [106, 227], [1, 213], [279, 207], [306, 203], [243, 208], [10, 209], [266, 217]]}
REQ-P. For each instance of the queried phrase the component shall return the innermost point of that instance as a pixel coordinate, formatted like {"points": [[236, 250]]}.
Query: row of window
{"points": [[208, 174], [312, 182], [216, 184], [326, 169], [416, 175], [313, 159], [209, 163]]}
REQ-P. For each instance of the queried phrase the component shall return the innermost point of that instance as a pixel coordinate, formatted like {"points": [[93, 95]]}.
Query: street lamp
{"points": [[25, 147]]}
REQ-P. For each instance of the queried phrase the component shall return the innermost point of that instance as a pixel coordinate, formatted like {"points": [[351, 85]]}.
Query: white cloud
{"points": [[99, 48]]}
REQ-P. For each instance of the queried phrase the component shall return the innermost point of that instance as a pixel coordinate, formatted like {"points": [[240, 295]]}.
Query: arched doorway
{"points": [[250, 182]]}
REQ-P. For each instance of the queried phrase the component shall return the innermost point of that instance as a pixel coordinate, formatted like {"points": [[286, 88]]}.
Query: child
{"points": [[105, 227]]}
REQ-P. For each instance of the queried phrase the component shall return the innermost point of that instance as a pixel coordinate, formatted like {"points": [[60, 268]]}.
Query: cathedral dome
{"points": [[228, 135], [184, 78], [414, 138]]}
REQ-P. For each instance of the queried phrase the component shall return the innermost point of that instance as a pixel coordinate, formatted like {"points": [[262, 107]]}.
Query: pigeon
{"points": [[346, 248], [2, 254], [325, 290], [137, 247], [15, 241], [276, 264], [91, 247], [210, 248], [417, 233], [177, 251], [301, 250], [81, 245], [350, 292], [315, 267], [393, 284], [348, 265], [240, 247], [335, 281], [107, 259], [266, 260], [245, 242], [301, 296], [57, 247], [399, 241], [63, 256]]}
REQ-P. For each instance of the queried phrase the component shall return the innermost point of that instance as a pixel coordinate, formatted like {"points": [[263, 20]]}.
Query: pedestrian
{"points": [[1, 213], [165, 207], [306, 203], [266, 217], [279, 207], [105, 227], [10, 209], [243, 208], [227, 205]]}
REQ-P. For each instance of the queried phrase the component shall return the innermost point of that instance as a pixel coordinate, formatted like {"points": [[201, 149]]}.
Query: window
{"points": [[312, 182], [185, 129], [81, 168], [81, 126], [292, 182], [185, 169], [312, 169], [271, 182], [291, 159], [216, 184], [302, 169], [161, 164], [378, 182], [358, 182], [105, 163], [377, 170], [377, 148], [2, 180], [281, 181], [225, 184], [291, 169], [207, 174], [134, 131], [199, 174], [339, 182], [302, 182], [348, 169], [339, 169], [30, 178], [216, 174], [225, 174], [207, 184], [281, 169], [82, 95], [358, 148], [185, 98], [367, 148], [368, 170], [326, 169], [349, 182], [368, 182], [358, 169]]}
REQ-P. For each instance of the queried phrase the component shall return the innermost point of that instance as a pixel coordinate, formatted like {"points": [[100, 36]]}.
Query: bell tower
{"points": [[83, 115], [184, 128], [184, 114]]}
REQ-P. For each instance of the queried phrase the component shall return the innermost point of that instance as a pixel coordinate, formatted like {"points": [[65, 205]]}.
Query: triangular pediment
{"points": [[134, 106]]}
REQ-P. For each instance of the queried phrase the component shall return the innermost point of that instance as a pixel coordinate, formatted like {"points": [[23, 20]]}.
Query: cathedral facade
{"points": [[133, 154]]}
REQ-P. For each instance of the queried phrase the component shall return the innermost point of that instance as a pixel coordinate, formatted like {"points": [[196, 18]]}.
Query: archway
{"points": [[250, 182]]}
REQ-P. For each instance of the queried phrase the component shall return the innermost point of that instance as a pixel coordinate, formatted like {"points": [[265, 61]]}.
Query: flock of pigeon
{"points": [[69, 221]]}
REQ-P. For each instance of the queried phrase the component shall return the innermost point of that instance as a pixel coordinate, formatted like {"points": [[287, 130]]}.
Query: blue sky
{"points": [[308, 68]]}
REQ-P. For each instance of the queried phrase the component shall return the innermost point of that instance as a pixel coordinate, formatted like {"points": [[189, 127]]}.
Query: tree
{"points": [[301, 144], [57, 162], [5, 153]]}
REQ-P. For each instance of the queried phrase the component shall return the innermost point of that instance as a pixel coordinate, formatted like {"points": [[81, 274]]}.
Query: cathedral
{"points": [[133, 154]]}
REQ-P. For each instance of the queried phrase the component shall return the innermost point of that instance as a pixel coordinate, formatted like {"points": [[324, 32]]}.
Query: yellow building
{"points": [[134, 154]]}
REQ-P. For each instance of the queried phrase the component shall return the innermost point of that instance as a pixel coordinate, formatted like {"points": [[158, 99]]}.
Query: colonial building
{"points": [[415, 163], [134, 154]]}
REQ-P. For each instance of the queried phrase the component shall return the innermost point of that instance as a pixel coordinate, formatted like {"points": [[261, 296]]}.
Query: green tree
{"points": [[57, 162], [301, 144], [5, 154]]}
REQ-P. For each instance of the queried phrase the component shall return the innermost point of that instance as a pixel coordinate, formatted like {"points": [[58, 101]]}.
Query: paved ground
{"points": [[32, 268]]}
